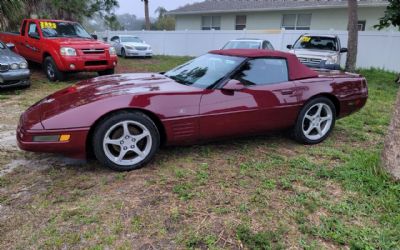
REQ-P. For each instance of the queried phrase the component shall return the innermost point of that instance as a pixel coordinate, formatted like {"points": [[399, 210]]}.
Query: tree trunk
{"points": [[146, 14], [391, 150], [353, 36]]}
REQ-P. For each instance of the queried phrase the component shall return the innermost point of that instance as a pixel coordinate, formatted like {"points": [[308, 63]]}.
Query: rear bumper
{"points": [[75, 147], [15, 78], [88, 63]]}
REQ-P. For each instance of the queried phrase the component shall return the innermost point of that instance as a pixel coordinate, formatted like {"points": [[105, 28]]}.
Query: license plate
{"points": [[142, 53]]}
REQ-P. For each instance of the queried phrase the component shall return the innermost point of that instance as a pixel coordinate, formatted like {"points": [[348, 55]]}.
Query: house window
{"points": [[210, 22], [361, 25], [240, 22], [296, 21]]}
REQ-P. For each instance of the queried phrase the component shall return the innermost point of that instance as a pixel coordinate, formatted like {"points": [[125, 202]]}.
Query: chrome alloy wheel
{"points": [[127, 143], [317, 121], [50, 70]]}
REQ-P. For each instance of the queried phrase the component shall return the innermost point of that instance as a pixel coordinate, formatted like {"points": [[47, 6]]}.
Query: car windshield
{"points": [[130, 39], [204, 71], [63, 29], [242, 45], [317, 43]]}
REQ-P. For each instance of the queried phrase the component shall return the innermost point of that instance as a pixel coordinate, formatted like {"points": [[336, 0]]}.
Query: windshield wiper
{"points": [[179, 80]]}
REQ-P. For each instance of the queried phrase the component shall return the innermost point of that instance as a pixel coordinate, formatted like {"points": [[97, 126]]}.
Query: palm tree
{"points": [[353, 36], [161, 11], [146, 13]]}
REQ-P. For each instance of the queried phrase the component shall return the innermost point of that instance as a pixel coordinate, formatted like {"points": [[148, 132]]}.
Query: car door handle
{"points": [[286, 92]]}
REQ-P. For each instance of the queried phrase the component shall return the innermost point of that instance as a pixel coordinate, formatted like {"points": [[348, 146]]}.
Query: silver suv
{"points": [[318, 51]]}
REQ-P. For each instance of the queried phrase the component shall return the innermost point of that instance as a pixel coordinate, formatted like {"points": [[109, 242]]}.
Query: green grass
{"points": [[265, 192]]}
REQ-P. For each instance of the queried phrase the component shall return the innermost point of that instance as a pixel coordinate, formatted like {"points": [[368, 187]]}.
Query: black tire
{"points": [[298, 131], [123, 53], [108, 123], [106, 72], [51, 70]]}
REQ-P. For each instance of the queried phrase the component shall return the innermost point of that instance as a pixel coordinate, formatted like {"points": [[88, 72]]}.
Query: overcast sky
{"points": [[136, 6]]}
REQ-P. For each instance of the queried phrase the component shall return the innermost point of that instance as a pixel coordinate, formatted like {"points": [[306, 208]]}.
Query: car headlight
{"points": [[112, 51], [332, 59], [14, 66], [23, 65], [66, 51], [129, 47]]}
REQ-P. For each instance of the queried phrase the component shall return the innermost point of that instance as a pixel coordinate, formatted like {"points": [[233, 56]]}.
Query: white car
{"points": [[131, 46], [248, 43]]}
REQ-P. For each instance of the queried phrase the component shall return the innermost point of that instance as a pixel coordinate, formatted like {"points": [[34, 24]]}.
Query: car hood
{"points": [[136, 44], [313, 53], [121, 88], [7, 57], [79, 43]]}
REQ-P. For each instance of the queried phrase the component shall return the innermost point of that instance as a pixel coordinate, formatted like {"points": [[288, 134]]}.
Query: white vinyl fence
{"points": [[375, 49]]}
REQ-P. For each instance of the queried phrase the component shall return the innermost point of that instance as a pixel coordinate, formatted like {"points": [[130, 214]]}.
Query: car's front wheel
{"points": [[126, 141], [315, 121]]}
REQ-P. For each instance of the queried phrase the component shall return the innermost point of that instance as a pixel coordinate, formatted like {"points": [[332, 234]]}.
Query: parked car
{"points": [[127, 46], [14, 70], [61, 46], [222, 94], [318, 51], [248, 43]]}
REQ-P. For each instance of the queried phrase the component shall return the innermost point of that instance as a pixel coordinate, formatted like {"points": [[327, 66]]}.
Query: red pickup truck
{"points": [[61, 46]]}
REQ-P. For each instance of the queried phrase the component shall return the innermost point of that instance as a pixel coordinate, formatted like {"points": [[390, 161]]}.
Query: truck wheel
{"points": [[106, 72], [51, 70]]}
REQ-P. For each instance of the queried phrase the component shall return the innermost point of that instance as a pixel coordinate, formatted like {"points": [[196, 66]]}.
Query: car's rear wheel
{"points": [[315, 121], [126, 141], [51, 70]]}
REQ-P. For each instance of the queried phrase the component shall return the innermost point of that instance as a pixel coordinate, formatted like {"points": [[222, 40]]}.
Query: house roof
{"points": [[226, 6], [297, 70]]}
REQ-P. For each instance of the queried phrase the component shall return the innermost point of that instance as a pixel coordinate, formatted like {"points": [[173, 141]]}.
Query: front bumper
{"points": [[88, 63], [323, 65], [75, 147], [139, 53], [15, 78]]}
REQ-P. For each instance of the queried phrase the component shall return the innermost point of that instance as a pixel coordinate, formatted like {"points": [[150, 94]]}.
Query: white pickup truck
{"points": [[318, 51]]}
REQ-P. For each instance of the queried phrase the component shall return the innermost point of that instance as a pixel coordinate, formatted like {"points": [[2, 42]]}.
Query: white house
{"points": [[276, 14]]}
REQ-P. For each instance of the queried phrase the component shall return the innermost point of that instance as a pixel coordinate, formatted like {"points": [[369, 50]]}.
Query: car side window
{"points": [[114, 39], [33, 31], [263, 71]]}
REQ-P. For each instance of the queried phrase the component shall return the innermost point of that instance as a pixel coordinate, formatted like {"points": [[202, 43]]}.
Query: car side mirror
{"points": [[94, 36], [34, 35], [10, 46], [289, 46], [233, 85], [343, 50]]}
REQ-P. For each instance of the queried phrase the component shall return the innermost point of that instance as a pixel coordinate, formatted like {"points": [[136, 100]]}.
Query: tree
{"points": [[164, 22], [146, 14], [391, 17], [112, 22], [10, 14], [352, 42]]}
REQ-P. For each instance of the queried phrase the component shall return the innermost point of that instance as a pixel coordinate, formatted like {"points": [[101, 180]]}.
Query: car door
{"points": [[267, 101], [31, 48]]}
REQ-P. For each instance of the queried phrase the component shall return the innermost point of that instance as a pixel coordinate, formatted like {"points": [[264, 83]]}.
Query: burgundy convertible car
{"points": [[124, 118]]}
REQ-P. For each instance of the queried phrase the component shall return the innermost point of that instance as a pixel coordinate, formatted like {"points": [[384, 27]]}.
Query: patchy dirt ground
{"points": [[255, 193]]}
